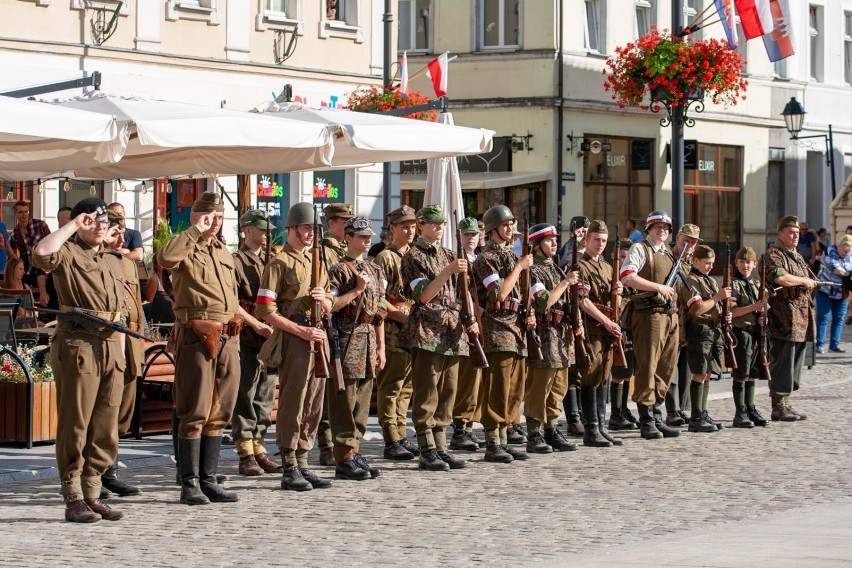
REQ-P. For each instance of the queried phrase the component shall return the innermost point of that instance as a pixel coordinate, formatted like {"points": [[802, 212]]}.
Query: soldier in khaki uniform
{"points": [[88, 363], [256, 394], [134, 350], [207, 351], [496, 271], [284, 301], [394, 380], [654, 323], [434, 334], [791, 316], [620, 417], [597, 277], [361, 311]]}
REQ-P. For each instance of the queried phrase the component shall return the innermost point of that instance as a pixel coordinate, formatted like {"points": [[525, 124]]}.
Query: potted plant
{"points": [[376, 99], [674, 70], [27, 395]]}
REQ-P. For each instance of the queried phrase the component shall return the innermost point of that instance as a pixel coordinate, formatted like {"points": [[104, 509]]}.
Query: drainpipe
{"points": [[560, 119]]}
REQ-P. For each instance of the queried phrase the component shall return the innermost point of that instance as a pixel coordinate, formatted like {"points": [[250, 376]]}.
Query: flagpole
{"points": [[677, 134]]}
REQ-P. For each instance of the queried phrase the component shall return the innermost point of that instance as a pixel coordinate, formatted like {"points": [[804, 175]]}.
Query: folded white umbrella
{"points": [[170, 139], [38, 140], [443, 187]]}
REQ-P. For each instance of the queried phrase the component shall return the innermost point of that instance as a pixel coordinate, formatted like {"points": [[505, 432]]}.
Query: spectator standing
{"points": [[634, 234], [808, 245], [4, 238], [132, 248], [830, 304], [25, 236]]}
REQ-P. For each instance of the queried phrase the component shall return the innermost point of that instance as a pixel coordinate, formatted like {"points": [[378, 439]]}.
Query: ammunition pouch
{"points": [[506, 307], [551, 317]]}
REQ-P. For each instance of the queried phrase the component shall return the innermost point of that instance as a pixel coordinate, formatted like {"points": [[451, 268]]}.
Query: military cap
{"points": [[90, 205], [703, 251], [342, 210], [300, 214], [115, 219], [469, 225], [788, 221], [747, 253], [540, 232], [658, 216], [691, 231], [360, 226], [401, 215], [208, 202], [625, 243], [598, 226], [255, 218], [579, 222], [432, 214]]}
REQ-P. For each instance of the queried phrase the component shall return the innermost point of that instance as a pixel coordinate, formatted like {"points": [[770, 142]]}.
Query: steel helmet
{"points": [[658, 216], [496, 215], [300, 214]]}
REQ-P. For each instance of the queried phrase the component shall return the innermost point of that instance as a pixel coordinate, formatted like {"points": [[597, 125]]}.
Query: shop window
{"points": [[499, 24], [415, 25]]}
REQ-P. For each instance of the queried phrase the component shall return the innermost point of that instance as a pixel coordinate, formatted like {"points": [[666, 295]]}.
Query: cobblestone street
{"points": [[776, 496]]}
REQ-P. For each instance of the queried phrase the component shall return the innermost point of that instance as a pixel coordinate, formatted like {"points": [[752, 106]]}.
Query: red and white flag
{"points": [[403, 73], [755, 17], [437, 70]]}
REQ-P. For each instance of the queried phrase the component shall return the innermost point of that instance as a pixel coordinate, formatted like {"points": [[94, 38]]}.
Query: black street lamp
{"points": [[794, 117]]}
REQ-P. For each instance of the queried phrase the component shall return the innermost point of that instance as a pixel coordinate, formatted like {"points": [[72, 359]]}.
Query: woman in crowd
{"points": [[830, 304]]}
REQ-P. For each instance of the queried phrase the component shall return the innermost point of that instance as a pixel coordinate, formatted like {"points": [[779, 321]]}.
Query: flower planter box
{"points": [[14, 403]]}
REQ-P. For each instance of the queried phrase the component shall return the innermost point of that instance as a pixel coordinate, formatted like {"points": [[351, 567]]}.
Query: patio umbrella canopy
{"points": [[38, 140], [443, 187], [171, 139]]}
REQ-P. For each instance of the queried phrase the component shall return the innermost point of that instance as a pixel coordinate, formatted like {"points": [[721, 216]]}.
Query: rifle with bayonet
{"points": [[317, 347], [583, 354], [760, 334], [730, 357], [533, 340], [90, 321], [468, 310]]}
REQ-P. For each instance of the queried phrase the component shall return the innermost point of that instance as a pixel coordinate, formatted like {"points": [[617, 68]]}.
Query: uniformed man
{"points": [[602, 332], [747, 315], [548, 287], [207, 350], [654, 322], [256, 394], [704, 343], [88, 363], [284, 301], [336, 216], [468, 406], [394, 380], [134, 349], [361, 312], [572, 402], [620, 417], [791, 321], [434, 334], [496, 271]]}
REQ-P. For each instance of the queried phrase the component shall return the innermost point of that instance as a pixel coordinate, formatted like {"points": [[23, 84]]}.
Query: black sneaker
{"points": [[431, 461], [452, 461], [395, 451], [361, 462]]}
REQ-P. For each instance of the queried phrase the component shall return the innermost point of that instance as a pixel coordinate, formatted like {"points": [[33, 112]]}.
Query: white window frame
{"points": [[197, 10], [502, 45], [847, 47], [599, 11], [44, 3], [291, 20], [95, 5], [646, 7], [742, 45], [352, 29], [412, 26], [689, 13], [816, 43]]}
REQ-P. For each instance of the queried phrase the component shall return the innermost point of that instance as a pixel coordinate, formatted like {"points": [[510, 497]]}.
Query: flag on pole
{"points": [[779, 42], [437, 71], [755, 17], [403, 73], [727, 17]]}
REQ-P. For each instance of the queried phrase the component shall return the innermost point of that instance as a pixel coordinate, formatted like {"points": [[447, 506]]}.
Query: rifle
{"points": [[533, 340], [727, 334], [818, 284], [89, 321], [329, 323], [468, 313], [619, 359], [317, 347], [760, 329], [584, 356]]}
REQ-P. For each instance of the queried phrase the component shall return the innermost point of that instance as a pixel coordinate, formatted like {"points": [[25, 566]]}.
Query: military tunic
{"points": [[334, 251], [88, 364], [745, 292], [134, 347], [596, 275], [704, 344]]}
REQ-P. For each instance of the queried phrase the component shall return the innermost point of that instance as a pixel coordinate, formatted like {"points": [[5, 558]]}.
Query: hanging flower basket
{"points": [[377, 99], [675, 70]]}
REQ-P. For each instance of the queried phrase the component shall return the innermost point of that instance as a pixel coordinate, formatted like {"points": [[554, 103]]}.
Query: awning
{"points": [[481, 180]]}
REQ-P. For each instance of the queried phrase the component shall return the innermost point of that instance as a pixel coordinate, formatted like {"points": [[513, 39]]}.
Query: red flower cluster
{"points": [[673, 68], [379, 99]]}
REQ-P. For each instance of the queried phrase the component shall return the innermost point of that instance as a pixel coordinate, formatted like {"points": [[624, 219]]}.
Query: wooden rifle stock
{"points": [[583, 354], [468, 311], [330, 326], [318, 347], [619, 359], [760, 330], [727, 334], [533, 340]]}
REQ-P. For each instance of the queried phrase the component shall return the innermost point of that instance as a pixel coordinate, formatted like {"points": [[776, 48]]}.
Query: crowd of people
{"points": [[478, 335]]}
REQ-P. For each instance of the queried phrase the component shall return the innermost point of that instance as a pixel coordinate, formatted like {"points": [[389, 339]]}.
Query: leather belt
{"points": [[550, 317], [445, 302], [507, 306]]}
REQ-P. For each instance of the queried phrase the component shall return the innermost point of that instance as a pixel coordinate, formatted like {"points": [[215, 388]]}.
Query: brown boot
{"points": [[249, 467], [104, 510], [267, 464], [77, 511], [327, 456], [781, 410]]}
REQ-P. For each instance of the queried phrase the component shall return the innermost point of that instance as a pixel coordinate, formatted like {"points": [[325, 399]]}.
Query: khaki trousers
{"points": [[468, 405], [539, 385], [502, 394], [557, 394], [655, 346], [300, 397], [435, 378], [347, 414], [89, 384], [128, 402], [255, 398], [394, 395], [598, 374]]}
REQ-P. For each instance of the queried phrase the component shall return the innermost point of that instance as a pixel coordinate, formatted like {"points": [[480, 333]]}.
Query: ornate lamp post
{"points": [[794, 118]]}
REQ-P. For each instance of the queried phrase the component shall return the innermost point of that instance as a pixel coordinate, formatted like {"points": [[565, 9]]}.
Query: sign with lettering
{"points": [[329, 186], [499, 159]]}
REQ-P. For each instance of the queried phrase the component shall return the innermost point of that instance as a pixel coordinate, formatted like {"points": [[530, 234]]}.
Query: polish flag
{"points": [[437, 70], [403, 73], [779, 43], [755, 17]]}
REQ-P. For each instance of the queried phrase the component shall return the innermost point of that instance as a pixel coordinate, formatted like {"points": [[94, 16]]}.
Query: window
{"points": [[644, 17], [847, 47], [594, 26], [279, 15], [742, 46], [780, 69], [415, 21], [499, 24], [815, 32], [691, 9], [341, 18], [202, 10], [110, 5]]}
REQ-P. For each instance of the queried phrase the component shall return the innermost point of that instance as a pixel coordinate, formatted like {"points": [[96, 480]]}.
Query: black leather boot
{"points": [[741, 419], [601, 396], [293, 480], [189, 452], [755, 416], [592, 436], [647, 426], [431, 461], [667, 431], [572, 414], [110, 480], [556, 440], [210, 446]]}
